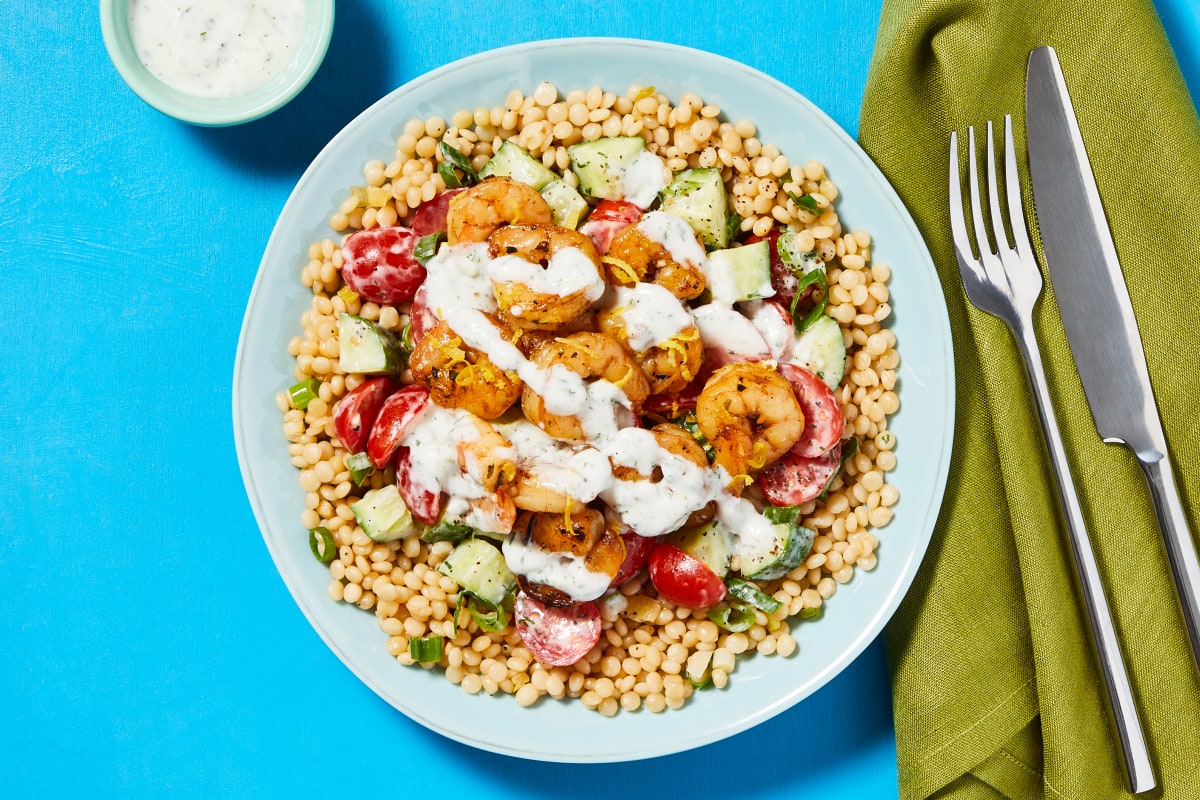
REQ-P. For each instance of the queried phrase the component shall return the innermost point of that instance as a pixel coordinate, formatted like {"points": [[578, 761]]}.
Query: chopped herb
{"points": [[427, 246], [452, 160]]}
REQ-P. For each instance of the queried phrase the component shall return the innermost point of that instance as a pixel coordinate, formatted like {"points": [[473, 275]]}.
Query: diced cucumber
{"points": [[479, 568], [710, 543], [383, 515], [367, 348], [740, 273], [511, 161], [567, 204], [600, 164], [698, 195], [822, 350], [784, 552]]}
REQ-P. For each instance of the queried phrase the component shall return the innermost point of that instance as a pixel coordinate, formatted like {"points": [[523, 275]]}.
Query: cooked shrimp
{"points": [[580, 535], [634, 256], [474, 214], [459, 376], [555, 280], [750, 415], [669, 366], [484, 454], [593, 357], [663, 486], [674, 440]]}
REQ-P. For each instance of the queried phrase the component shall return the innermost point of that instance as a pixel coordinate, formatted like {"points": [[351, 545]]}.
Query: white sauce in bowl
{"points": [[216, 48]]}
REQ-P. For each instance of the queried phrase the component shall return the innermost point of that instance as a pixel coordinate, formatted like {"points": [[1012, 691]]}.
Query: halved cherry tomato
{"points": [[684, 579], [607, 219], [824, 421], [396, 416], [424, 503], [430, 216], [357, 410], [728, 336], [557, 637], [378, 264], [794, 479], [422, 319], [775, 324], [637, 553]]}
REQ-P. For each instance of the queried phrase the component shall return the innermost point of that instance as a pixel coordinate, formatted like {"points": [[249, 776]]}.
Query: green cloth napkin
{"points": [[996, 694]]}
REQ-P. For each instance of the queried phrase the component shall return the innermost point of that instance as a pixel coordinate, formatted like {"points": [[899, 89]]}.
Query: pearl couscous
{"points": [[650, 650]]}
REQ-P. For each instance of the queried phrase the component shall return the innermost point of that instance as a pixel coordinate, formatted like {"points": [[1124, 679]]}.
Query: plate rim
{"points": [[908, 569]]}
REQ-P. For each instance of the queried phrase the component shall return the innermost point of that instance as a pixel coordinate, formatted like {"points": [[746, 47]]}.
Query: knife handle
{"points": [[1135, 755], [1181, 548]]}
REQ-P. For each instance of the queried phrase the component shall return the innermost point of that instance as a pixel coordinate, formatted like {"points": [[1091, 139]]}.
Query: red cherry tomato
{"points": [[430, 216], [637, 553], [607, 219], [824, 422], [422, 317], [395, 418], [424, 502], [557, 637], [793, 479], [357, 410], [378, 264], [684, 579]]}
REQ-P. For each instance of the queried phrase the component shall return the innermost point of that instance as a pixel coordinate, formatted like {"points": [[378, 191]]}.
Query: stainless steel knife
{"points": [[1097, 313]]}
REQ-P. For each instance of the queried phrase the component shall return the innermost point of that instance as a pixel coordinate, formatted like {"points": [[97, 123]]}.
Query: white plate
{"points": [[761, 686]]}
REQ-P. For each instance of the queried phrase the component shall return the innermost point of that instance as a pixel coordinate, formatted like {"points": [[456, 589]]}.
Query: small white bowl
{"points": [[216, 111]]}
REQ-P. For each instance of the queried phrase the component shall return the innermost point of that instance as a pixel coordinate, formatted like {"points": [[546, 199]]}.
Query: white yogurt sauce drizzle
{"points": [[651, 314], [216, 48], [459, 289]]}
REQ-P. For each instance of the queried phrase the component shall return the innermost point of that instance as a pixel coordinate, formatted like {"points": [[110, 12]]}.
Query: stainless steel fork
{"points": [[1006, 282]]}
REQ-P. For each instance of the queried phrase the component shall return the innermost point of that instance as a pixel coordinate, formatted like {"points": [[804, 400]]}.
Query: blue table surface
{"points": [[149, 646]]}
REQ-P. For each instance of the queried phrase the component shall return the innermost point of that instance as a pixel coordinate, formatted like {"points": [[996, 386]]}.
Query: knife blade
{"points": [[1097, 312]]}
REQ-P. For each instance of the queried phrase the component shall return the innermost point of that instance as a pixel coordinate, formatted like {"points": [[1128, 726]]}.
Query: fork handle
{"points": [[1139, 770]]}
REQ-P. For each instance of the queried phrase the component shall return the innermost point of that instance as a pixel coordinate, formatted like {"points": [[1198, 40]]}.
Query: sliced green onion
{"points": [[735, 617], [425, 649], [427, 246], [452, 158], [320, 541], [360, 467], [811, 613], [406, 337], [688, 423], [347, 294], [303, 393], [750, 594], [488, 617]]}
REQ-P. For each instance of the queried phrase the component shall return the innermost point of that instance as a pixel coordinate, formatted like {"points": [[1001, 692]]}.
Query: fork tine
{"points": [[981, 237], [994, 194], [1012, 185], [958, 224]]}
